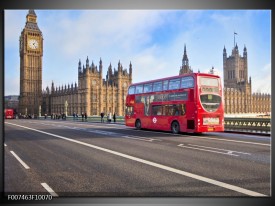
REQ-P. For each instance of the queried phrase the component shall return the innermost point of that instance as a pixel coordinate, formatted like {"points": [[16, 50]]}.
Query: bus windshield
{"points": [[209, 97], [210, 102]]}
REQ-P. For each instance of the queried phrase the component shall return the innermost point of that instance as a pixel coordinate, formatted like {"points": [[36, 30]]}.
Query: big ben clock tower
{"points": [[31, 52]]}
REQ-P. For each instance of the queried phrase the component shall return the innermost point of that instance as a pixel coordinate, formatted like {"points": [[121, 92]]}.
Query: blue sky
{"points": [[153, 40]]}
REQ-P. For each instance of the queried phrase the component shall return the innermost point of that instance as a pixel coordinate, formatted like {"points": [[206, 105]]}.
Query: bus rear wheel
{"points": [[175, 127], [138, 124]]}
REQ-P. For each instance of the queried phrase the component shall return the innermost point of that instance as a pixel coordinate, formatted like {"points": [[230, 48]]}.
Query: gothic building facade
{"points": [[185, 68], [238, 96], [93, 94], [31, 52]]}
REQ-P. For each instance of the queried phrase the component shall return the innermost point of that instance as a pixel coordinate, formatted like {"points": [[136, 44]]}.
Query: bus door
{"points": [[130, 111], [129, 116], [146, 113]]}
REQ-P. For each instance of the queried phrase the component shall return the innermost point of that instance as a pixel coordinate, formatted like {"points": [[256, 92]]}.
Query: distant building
{"points": [[238, 97], [93, 94], [11, 102], [185, 68]]}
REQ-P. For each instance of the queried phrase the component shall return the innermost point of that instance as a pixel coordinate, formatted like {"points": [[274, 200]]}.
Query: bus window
{"points": [[187, 82], [139, 89], [132, 90], [174, 84], [157, 87], [177, 109], [148, 88], [165, 85], [182, 109], [146, 101], [165, 110], [157, 110], [209, 81], [129, 110]]}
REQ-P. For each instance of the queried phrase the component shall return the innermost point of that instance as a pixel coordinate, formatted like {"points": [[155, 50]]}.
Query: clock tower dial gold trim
{"points": [[33, 43]]}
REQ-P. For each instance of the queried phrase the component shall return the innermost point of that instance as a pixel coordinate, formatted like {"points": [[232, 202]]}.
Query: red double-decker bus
{"points": [[190, 103], [9, 114]]}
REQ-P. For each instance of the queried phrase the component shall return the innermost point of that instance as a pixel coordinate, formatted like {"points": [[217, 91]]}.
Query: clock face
{"points": [[33, 43], [93, 82], [125, 84]]}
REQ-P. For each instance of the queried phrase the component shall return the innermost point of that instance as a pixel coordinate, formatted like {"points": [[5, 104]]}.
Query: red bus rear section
{"points": [[190, 103], [9, 114]]}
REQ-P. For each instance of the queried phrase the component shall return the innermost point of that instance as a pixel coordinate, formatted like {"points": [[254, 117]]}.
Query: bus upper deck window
{"points": [[157, 86], [165, 85], [174, 84], [139, 89], [131, 90], [148, 88], [187, 82]]}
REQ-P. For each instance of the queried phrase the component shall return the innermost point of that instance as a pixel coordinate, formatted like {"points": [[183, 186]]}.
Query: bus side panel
{"points": [[190, 118], [139, 114]]}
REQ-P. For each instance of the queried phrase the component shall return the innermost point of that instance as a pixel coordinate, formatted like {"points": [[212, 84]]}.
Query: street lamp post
{"points": [[39, 110], [66, 108]]}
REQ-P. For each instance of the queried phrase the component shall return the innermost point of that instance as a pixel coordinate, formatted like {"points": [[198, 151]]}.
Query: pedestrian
{"points": [[102, 117], [85, 116], [82, 115], [109, 117], [114, 117]]}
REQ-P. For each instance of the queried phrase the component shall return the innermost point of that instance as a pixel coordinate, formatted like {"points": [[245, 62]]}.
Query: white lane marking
{"points": [[230, 140], [187, 136], [229, 151], [108, 133], [207, 150], [141, 138], [167, 168], [5, 145], [49, 189], [21, 161]]}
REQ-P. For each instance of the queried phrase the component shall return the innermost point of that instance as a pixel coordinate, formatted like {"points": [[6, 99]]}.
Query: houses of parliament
{"points": [[94, 94], [238, 96]]}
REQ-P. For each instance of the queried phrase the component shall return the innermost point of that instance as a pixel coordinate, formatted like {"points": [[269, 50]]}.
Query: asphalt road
{"points": [[65, 158]]}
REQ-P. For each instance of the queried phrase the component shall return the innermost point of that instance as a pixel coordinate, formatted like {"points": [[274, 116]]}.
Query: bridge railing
{"points": [[119, 119], [258, 124], [230, 123]]}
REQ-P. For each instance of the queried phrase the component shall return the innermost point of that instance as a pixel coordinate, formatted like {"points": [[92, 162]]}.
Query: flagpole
{"points": [[234, 40]]}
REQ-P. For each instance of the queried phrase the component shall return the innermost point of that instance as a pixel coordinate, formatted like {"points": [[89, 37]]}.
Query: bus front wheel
{"points": [[138, 124], [175, 127]]}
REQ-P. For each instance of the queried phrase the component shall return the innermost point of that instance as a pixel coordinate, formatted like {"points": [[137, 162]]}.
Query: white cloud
{"points": [[262, 82], [128, 35], [97, 31], [12, 30]]}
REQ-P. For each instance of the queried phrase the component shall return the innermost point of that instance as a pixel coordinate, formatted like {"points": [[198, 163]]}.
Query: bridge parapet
{"points": [[260, 124]]}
